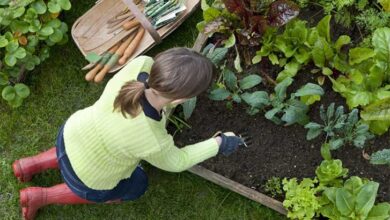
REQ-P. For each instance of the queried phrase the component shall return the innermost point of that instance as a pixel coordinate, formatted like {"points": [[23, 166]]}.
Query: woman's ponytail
{"points": [[128, 99]]}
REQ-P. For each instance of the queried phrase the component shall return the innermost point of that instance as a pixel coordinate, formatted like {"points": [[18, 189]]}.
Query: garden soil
{"points": [[279, 151]]}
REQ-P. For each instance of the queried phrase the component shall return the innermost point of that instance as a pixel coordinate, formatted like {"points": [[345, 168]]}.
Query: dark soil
{"points": [[280, 151]]}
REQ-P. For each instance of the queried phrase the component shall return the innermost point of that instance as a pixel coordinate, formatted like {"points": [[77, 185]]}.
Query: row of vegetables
{"points": [[356, 66]]}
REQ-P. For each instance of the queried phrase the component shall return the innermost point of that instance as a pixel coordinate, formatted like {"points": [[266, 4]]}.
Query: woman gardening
{"points": [[99, 148]]}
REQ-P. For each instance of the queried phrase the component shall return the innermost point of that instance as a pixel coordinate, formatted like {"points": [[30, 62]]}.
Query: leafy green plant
{"points": [[339, 128], [331, 172], [292, 110], [355, 200], [273, 186], [301, 201], [28, 29], [246, 19], [381, 157], [298, 45]]}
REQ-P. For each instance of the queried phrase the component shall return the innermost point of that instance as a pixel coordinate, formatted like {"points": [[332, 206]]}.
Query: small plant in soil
{"points": [[292, 110], [331, 173], [339, 128], [381, 157], [274, 186]]}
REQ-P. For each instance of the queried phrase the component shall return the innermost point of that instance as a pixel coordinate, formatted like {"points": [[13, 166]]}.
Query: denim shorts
{"points": [[127, 189]]}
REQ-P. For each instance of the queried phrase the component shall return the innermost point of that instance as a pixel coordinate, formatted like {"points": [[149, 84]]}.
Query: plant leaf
{"points": [[366, 198], [280, 88], [230, 79], [257, 99], [281, 12], [341, 41], [323, 27], [22, 90], [381, 42], [8, 93], [381, 157], [360, 54], [310, 89], [379, 212], [250, 81], [345, 201], [188, 107], [219, 94]]}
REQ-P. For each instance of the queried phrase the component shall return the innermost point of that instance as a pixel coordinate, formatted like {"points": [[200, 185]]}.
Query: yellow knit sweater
{"points": [[104, 147]]}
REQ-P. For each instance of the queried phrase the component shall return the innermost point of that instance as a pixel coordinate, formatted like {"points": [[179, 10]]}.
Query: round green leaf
{"points": [[46, 31], [32, 40], [310, 89], [20, 53], [16, 102], [257, 99], [22, 90], [3, 41], [39, 6], [250, 81], [8, 93], [10, 60], [55, 23], [3, 79], [54, 7], [64, 27], [18, 12], [65, 4], [56, 36], [12, 46]]}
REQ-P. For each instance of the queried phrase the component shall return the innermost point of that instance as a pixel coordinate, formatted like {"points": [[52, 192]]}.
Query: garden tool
{"points": [[106, 56]]}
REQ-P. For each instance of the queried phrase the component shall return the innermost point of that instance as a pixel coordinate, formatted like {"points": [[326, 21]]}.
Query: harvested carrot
{"points": [[92, 73], [114, 59], [130, 24], [132, 46]]}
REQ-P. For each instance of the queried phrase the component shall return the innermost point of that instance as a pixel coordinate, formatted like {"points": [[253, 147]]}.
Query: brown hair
{"points": [[176, 73]]}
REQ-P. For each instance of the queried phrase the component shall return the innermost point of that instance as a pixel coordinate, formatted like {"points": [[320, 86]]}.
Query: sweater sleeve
{"points": [[174, 159]]}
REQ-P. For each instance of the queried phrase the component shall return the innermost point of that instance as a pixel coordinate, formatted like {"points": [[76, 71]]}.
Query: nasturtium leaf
{"points": [[46, 31], [3, 79], [12, 46], [20, 53], [22, 90], [56, 36], [55, 23], [219, 94], [39, 6], [3, 41], [65, 4], [10, 60], [188, 107], [341, 41], [250, 81], [16, 102], [309, 89], [20, 26], [230, 79], [323, 27], [53, 6], [8, 93], [360, 54], [18, 12], [256, 99]]}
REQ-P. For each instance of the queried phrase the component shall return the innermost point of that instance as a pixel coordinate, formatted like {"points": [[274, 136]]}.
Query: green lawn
{"points": [[58, 89]]}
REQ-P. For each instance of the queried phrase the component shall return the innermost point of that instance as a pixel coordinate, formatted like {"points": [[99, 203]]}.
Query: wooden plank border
{"points": [[228, 183]]}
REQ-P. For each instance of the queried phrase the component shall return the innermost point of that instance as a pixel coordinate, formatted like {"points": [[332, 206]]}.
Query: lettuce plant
{"points": [[298, 45], [331, 172], [246, 19], [300, 200], [339, 128], [355, 200]]}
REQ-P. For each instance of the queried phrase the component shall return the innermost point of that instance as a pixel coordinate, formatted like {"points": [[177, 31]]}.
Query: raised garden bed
{"points": [[277, 150]]}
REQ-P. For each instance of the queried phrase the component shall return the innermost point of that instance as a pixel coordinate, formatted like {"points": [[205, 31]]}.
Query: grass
{"points": [[58, 89]]}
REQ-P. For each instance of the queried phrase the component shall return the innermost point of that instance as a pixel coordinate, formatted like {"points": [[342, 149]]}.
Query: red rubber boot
{"points": [[25, 168], [33, 198]]}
